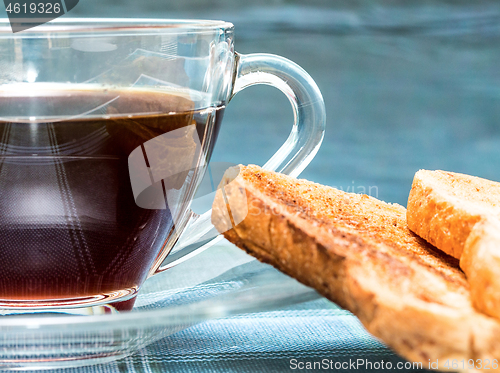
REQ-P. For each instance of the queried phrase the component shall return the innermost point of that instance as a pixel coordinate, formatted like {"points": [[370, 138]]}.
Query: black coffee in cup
{"points": [[71, 223]]}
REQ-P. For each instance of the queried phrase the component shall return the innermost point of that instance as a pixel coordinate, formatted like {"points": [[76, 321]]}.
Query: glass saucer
{"points": [[222, 281]]}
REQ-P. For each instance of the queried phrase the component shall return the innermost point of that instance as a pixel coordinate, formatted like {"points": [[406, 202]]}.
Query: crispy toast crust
{"points": [[358, 252], [442, 208], [459, 214]]}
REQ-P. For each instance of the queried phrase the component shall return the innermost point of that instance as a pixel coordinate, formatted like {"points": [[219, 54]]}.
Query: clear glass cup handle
{"points": [[294, 155]]}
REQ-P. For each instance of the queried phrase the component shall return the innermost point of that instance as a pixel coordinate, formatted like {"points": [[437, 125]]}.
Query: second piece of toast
{"points": [[358, 252], [460, 214]]}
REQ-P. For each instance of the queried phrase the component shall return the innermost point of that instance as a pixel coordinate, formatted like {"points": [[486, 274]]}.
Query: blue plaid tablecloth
{"points": [[289, 339]]}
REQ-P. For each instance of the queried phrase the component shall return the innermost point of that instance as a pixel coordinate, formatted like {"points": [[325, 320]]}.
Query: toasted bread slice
{"points": [[459, 214], [358, 252]]}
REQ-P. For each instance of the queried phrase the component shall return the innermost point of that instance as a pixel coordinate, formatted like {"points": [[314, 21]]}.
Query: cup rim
{"points": [[111, 25]]}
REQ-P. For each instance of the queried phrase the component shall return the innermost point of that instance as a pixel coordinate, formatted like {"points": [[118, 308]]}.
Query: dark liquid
{"points": [[70, 226]]}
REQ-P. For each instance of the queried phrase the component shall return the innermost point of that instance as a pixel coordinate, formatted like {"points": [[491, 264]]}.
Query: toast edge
{"points": [[481, 262]]}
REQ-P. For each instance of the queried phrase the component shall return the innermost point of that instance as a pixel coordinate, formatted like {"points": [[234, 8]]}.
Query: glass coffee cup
{"points": [[107, 127]]}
